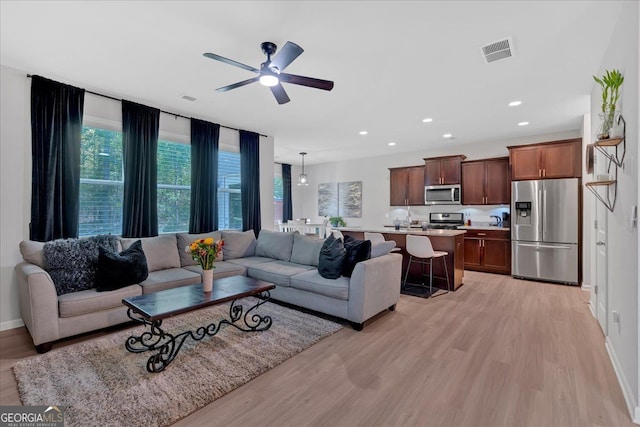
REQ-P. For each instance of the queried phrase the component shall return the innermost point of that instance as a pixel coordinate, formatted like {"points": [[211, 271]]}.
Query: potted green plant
{"points": [[610, 83], [337, 221]]}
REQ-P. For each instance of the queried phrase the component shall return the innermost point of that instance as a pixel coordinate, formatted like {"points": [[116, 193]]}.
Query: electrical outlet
{"points": [[615, 316]]}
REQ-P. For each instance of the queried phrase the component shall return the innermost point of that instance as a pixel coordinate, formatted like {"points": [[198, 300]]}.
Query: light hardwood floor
{"points": [[497, 352]]}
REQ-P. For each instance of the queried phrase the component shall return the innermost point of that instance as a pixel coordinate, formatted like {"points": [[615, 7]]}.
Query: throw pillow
{"points": [[238, 244], [356, 251], [161, 251], [306, 250], [71, 263], [117, 270], [382, 248], [331, 258], [275, 244]]}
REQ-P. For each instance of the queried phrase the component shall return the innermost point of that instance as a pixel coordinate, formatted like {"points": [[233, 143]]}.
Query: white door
{"points": [[601, 266]]}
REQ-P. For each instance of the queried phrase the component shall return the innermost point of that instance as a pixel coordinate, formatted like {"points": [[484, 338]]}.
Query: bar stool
{"points": [[420, 247]]}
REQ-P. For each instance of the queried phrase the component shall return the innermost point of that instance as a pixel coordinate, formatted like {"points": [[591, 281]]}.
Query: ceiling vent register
{"points": [[496, 51]]}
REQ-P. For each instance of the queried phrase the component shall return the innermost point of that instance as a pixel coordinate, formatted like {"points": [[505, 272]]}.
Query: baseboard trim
{"points": [[592, 309], [585, 287], [634, 410], [11, 324]]}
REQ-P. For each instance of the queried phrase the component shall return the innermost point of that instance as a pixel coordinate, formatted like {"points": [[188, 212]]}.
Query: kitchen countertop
{"points": [[416, 231], [483, 227]]}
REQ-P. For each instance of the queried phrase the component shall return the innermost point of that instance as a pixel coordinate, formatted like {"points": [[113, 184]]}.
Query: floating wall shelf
{"points": [[609, 188]]}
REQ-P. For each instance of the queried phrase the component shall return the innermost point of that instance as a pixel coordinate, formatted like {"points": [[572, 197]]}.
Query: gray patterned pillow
{"points": [[71, 263]]}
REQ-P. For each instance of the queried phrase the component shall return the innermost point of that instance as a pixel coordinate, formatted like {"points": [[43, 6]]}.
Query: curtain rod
{"points": [[162, 111]]}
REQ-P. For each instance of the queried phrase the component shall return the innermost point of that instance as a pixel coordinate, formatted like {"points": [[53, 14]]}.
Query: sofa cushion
{"points": [[312, 281], [306, 250], [250, 260], [238, 244], [275, 244], [277, 272], [71, 263], [169, 278], [356, 251], [116, 270], [382, 248], [161, 251], [185, 239], [32, 252], [91, 301], [223, 269], [331, 258]]}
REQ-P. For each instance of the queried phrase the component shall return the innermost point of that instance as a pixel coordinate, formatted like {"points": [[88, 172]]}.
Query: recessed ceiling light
{"points": [[391, 144], [363, 132], [447, 135], [427, 120], [188, 98], [523, 123], [514, 103]]}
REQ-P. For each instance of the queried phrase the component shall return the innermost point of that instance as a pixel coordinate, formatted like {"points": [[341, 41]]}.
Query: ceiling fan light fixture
{"points": [[269, 80], [303, 179]]}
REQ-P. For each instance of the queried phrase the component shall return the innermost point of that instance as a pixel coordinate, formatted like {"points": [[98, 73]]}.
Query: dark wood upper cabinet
{"points": [[557, 159], [442, 170], [406, 186], [486, 182]]}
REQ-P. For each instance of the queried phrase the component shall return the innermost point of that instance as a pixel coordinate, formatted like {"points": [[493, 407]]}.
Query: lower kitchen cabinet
{"points": [[488, 251]]}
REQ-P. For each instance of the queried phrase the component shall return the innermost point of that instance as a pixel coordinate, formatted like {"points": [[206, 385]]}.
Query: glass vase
{"points": [[607, 119]]}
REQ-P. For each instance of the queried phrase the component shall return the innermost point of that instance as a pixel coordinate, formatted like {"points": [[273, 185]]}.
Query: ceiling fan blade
{"points": [[230, 62], [306, 81], [286, 56], [237, 85], [280, 94]]}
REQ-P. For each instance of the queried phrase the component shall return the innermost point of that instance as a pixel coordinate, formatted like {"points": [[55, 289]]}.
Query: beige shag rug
{"points": [[103, 384]]}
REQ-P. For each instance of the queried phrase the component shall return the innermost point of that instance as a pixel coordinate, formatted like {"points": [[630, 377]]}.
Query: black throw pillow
{"points": [[117, 270], [356, 251], [331, 258]]}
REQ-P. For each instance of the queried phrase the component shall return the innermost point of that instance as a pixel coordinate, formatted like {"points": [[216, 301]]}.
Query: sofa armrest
{"points": [[38, 302], [374, 287]]}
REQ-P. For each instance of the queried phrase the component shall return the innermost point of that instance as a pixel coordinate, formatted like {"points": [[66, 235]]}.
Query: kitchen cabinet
{"points": [[557, 159], [488, 251], [442, 170], [406, 186], [486, 182]]}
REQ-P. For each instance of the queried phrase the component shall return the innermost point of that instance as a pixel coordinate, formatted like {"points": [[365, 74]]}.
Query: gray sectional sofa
{"points": [[289, 260]]}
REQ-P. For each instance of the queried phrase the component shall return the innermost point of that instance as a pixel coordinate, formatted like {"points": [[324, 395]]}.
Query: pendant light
{"points": [[304, 179]]}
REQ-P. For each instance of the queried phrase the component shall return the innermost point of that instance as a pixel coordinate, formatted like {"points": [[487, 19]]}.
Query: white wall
{"points": [[623, 338], [15, 173], [15, 186]]}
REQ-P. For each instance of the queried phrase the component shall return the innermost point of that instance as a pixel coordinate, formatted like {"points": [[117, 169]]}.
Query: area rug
{"points": [[103, 384]]}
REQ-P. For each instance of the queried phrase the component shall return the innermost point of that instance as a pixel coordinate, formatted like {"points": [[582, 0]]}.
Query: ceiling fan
{"points": [[271, 71]]}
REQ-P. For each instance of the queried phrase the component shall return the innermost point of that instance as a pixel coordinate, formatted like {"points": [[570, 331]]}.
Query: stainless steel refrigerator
{"points": [[544, 230]]}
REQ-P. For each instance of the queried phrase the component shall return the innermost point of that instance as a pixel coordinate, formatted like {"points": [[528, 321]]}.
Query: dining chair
{"points": [[421, 251]]}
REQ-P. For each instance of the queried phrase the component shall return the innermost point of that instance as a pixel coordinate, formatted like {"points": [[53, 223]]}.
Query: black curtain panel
{"points": [[204, 176], [250, 181], [140, 149], [56, 132], [287, 205]]}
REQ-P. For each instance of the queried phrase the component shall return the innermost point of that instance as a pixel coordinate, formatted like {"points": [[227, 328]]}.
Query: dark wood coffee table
{"points": [[151, 309]]}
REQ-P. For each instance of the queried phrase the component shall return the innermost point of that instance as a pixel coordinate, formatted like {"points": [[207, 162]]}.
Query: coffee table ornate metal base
{"points": [[151, 309]]}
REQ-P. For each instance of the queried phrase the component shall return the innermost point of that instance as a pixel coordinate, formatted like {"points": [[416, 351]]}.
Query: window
{"points": [[101, 182], [229, 201], [174, 186], [278, 195]]}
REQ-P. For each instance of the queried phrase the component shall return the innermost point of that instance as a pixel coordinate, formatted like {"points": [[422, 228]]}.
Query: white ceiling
{"points": [[393, 64]]}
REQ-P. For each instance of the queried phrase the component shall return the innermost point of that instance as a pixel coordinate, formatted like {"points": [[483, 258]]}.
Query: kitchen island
{"points": [[451, 241]]}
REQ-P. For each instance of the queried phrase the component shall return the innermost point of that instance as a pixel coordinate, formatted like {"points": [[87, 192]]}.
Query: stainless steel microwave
{"points": [[442, 195]]}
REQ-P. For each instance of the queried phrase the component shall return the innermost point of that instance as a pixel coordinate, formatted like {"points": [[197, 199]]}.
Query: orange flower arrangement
{"points": [[205, 251]]}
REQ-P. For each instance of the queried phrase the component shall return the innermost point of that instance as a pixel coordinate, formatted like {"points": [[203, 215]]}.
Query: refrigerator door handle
{"points": [[538, 209], [544, 246], [544, 214]]}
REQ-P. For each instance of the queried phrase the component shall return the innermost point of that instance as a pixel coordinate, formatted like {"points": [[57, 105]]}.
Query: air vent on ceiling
{"points": [[498, 50], [188, 98]]}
